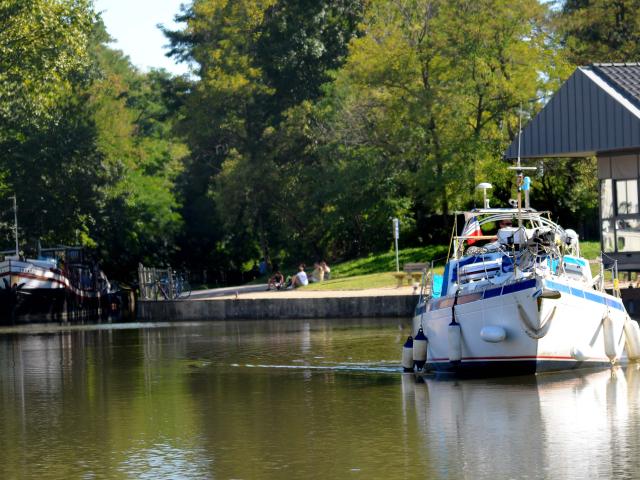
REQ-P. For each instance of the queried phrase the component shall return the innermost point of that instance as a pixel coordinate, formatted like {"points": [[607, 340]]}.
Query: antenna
{"points": [[519, 131], [520, 181]]}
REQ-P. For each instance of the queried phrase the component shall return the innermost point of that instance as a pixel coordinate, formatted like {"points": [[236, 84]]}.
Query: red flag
{"points": [[472, 229]]}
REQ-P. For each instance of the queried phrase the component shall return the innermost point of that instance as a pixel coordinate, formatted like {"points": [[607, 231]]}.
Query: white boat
{"points": [[523, 302], [59, 285]]}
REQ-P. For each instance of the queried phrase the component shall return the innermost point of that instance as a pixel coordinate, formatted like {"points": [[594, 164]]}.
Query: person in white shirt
{"points": [[300, 279]]}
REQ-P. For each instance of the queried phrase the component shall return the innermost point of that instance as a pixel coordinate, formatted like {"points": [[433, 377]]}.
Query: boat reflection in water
{"points": [[554, 426]]}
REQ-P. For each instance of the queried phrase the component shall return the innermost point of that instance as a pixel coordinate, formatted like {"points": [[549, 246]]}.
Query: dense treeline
{"points": [[305, 127]]}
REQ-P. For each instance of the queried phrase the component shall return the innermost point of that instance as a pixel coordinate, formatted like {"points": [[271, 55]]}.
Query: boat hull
{"points": [[507, 368], [539, 334], [29, 293]]}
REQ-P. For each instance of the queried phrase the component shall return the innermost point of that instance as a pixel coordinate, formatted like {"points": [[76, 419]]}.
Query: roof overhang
{"points": [[587, 116]]}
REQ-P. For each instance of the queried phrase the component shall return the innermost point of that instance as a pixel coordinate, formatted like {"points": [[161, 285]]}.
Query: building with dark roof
{"points": [[596, 112]]}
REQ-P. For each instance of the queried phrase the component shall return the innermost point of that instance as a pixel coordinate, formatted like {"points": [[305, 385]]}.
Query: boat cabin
{"points": [[492, 248]]}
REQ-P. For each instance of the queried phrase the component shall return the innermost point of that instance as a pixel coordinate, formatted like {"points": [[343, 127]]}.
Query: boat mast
{"points": [[15, 222], [519, 172]]}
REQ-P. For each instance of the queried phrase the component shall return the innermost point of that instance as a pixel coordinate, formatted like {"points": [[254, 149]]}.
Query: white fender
{"points": [[455, 342], [493, 334], [420, 349], [608, 337], [407, 355], [632, 335]]}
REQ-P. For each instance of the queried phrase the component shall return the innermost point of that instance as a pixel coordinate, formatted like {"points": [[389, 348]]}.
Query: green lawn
{"points": [[386, 262], [376, 270], [590, 250], [360, 282]]}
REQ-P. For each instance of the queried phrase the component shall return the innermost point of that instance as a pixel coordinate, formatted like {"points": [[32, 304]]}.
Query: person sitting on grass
{"points": [[327, 270], [320, 269], [276, 281], [300, 279]]}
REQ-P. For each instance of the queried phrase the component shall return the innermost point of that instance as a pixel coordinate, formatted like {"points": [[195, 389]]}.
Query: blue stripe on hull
{"points": [[590, 295], [508, 368], [447, 302]]}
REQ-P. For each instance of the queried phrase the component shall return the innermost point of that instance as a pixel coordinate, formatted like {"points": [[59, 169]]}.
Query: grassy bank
{"points": [[376, 271]]}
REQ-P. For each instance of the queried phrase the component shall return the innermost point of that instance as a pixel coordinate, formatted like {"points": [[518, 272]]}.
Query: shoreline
{"points": [[253, 304]]}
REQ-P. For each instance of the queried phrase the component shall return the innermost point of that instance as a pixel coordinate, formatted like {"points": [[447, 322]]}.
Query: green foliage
{"points": [[49, 158], [253, 184], [86, 139], [306, 127], [134, 113], [569, 190], [55, 171], [43, 54], [315, 123], [435, 94], [299, 42], [600, 30]]}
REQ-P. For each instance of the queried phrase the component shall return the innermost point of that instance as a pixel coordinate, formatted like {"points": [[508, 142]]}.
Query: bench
{"points": [[412, 272]]}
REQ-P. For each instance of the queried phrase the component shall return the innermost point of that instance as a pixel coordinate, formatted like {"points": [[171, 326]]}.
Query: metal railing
{"points": [[162, 284]]}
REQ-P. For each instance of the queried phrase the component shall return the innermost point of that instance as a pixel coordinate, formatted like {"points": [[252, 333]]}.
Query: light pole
{"points": [[396, 235], [15, 222]]}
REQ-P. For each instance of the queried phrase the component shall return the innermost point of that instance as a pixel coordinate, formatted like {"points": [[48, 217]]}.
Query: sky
{"points": [[132, 23]]}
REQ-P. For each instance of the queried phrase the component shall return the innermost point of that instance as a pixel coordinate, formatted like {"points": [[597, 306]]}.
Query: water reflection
{"points": [[554, 426], [272, 400]]}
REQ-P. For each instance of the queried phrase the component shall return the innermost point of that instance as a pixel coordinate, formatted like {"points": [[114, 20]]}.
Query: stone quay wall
{"points": [[392, 306]]}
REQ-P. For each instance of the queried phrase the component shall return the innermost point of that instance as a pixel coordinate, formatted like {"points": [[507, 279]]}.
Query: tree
{"points": [[96, 165], [43, 54], [138, 216], [600, 31], [251, 72], [435, 86], [46, 133], [300, 42]]}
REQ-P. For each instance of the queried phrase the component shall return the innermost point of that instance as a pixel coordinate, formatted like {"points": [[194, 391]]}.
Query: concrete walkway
{"points": [[226, 292], [247, 292]]}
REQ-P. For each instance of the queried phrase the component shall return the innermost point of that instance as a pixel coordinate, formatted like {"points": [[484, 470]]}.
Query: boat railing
{"points": [[426, 284], [607, 278]]}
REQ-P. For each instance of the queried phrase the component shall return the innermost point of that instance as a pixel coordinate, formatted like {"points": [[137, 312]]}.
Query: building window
{"points": [[607, 215], [627, 197], [628, 235], [608, 237], [606, 199]]}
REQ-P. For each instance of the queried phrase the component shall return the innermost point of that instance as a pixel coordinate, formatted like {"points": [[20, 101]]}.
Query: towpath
{"points": [[260, 292]]}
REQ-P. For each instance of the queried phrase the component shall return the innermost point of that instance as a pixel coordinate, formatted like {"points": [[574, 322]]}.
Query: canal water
{"points": [[322, 399]]}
